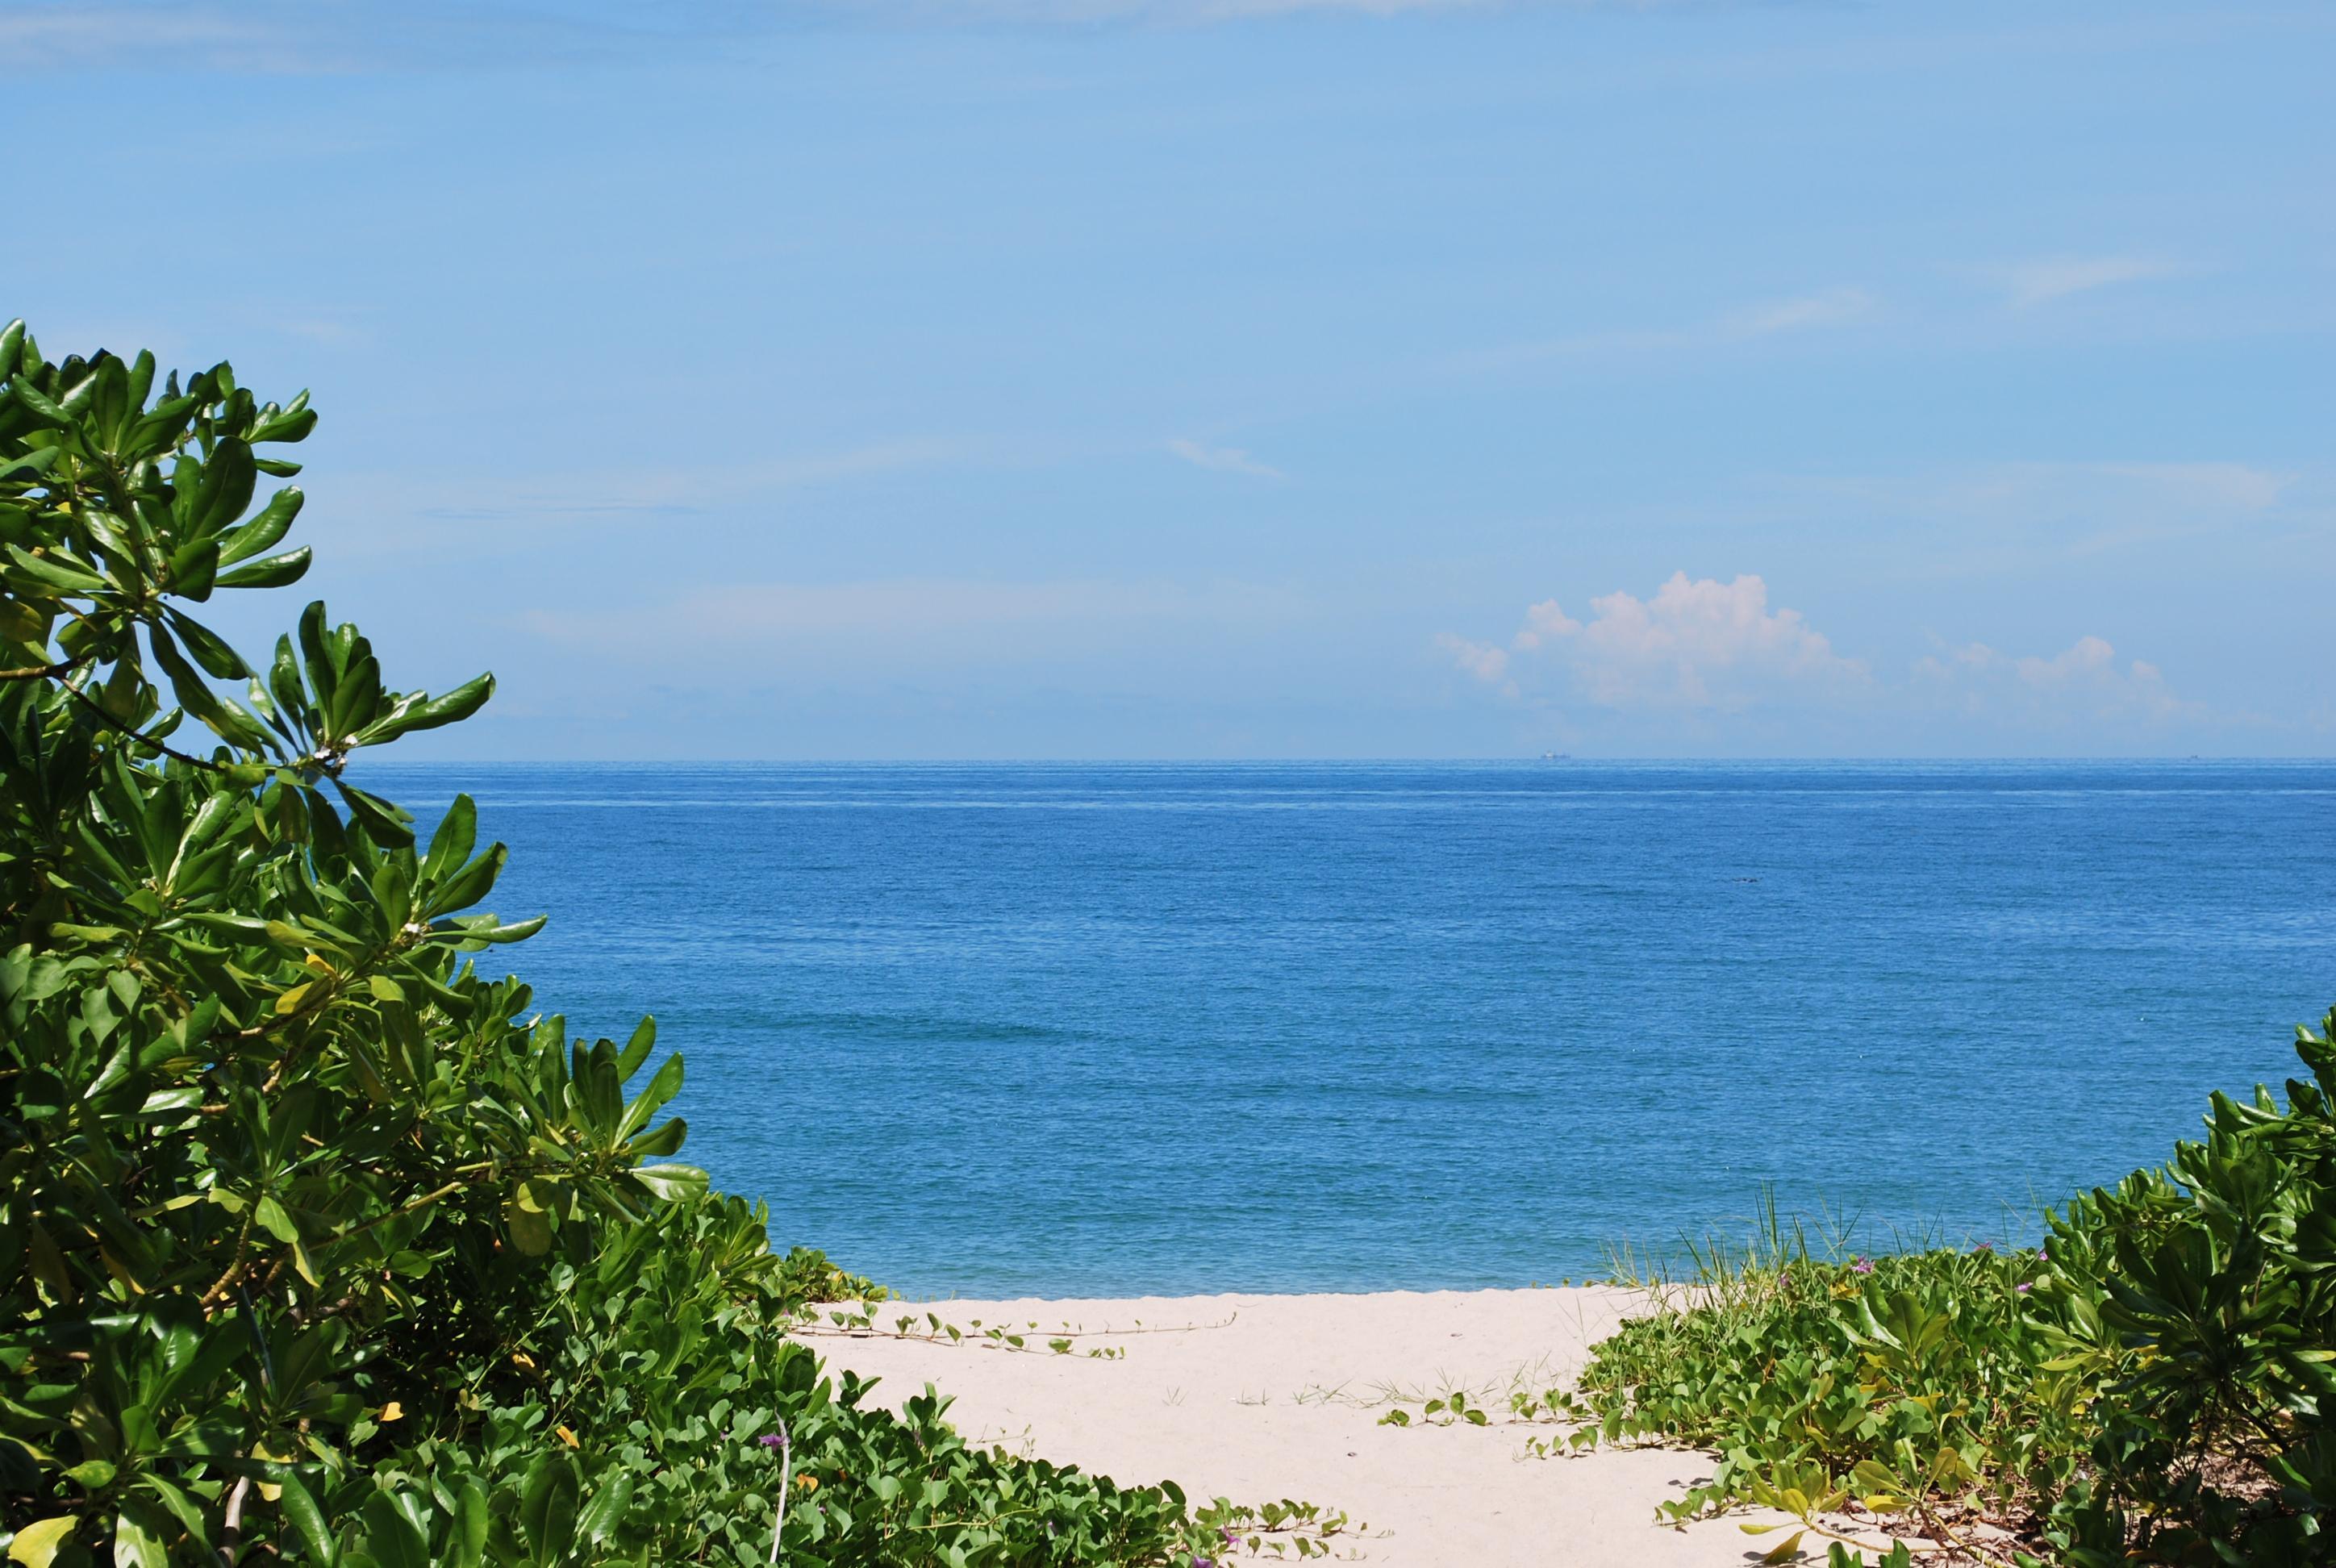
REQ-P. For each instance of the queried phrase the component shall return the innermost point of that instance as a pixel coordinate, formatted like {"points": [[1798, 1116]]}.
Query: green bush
{"points": [[2145, 1388], [2200, 1301], [1908, 1384], [317, 1243]]}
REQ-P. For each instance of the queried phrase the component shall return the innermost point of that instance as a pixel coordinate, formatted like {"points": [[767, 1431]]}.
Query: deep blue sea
{"points": [[1085, 1029]]}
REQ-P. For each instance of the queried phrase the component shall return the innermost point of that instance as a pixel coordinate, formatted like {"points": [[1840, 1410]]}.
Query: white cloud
{"points": [[1224, 459], [1834, 307], [1545, 619], [2047, 279], [2083, 679], [1700, 647], [1696, 643], [1480, 660]]}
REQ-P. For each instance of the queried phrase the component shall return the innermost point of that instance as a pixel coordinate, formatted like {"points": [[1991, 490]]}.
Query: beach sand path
{"points": [[1260, 1398]]}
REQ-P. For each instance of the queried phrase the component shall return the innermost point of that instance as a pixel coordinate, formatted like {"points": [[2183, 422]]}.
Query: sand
{"points": [[1274, 1397]]}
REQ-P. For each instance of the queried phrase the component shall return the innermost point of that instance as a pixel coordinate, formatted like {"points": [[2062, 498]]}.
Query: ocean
{"points": [[1080, 1029]]}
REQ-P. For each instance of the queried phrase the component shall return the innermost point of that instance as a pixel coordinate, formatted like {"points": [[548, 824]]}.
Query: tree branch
{"points": [[135, 733], [46, 671]]}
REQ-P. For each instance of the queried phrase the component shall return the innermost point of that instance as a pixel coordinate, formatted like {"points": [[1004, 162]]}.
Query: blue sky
{"points": [[1095, 378]]}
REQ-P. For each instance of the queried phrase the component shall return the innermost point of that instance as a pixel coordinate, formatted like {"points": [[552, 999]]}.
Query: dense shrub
{"points": [[315, 1243], [2144, 1388], [2201, 1299]]}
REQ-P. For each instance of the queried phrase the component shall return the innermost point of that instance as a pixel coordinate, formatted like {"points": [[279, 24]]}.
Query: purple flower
{"points": [[772, 1440], [1984, 1246], [1863, 1266], [2022, 1288]]}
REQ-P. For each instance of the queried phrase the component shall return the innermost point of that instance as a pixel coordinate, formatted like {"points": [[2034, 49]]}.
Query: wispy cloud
{"points": [[917, 622], [682, 490], [2236, 485], [285, 37], [1169, 13], [1832, 307], [1992, 516], [57, 36], [2047, 279], [1224, 459], [274, 37], [1826, 308]]}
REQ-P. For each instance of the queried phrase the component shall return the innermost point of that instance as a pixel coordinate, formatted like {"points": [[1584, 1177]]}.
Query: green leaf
{"points": [[55, 572], [268, 525], [138, 1536], [225, 489], [36, 1545], [451, 842], [275, 1220], [638, 1049], [669, 1182], [470, 1540], [384, 823], [393, 1539], [300, 1505], [210, 650], [231, 725], [270, 572], [599, 1521], [663, 1086], [525, 1217]]}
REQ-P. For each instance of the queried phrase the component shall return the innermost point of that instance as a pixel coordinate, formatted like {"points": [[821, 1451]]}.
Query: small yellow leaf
{"points": [[566, 1435], [35, 1545], [392, 1411], [521, 1358], [808, 1483], [290, 1002]]}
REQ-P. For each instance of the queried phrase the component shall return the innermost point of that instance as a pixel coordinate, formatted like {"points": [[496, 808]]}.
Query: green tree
{"points": [[315, 1242]]}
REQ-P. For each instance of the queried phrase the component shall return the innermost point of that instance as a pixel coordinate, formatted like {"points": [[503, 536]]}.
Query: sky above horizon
{"points": [[1256, 378]]}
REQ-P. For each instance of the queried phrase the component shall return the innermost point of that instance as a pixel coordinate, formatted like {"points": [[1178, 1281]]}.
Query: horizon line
{"points": [[1359, 761]]}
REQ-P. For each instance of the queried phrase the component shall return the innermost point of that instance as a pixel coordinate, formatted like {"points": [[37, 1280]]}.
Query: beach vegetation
{"points": [[2146, 1385], [321, 1242]]}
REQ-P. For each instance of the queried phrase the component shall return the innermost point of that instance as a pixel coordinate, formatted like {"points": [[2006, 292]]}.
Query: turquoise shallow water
{"points": [[1080, 1029]]}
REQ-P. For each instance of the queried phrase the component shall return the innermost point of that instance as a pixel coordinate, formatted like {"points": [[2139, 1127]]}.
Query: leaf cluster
{"points": [[2200, 1298], [2146, 1386], [318, 1244]]}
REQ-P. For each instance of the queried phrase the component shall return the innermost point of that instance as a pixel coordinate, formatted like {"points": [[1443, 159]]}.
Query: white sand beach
{"points": [[1263, 1397]]}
